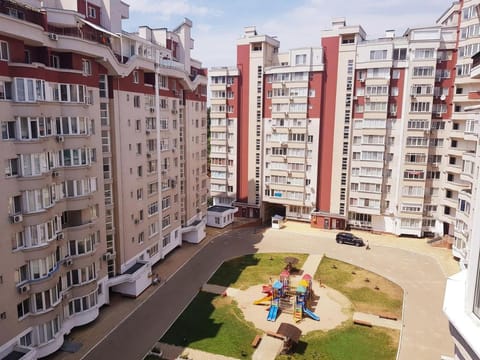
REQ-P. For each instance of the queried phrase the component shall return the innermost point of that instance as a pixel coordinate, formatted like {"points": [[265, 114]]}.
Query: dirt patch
{"points": [[221, 301]]}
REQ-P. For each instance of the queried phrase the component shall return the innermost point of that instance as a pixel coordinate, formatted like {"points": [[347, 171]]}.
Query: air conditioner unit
{"points": [[68, 262], [23, 289], [16, 218], [147, 132], [393, 113], [438, 114], [60, 236], [53, 36], [55, 173], [136, 221], [60, 138], [149, 155], [362, 80], [108, 256]]}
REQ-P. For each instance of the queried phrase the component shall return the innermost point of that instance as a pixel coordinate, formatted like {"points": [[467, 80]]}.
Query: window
{"points": [[165, 221], [378, 54], [5, 90], [166, 202], [153, 208], [419, 106], [400, 54], [424, 53], [135, 77], [4, 55], [9, 130], [69, 93], [48, 330], [136, 101], [163, 81], [423, 71], [300, 59], [92, 12], [86, 67], [23, 308], [55, 61]]}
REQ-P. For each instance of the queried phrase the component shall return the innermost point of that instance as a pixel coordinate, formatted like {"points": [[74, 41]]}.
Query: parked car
{"points": [[349, 238]]}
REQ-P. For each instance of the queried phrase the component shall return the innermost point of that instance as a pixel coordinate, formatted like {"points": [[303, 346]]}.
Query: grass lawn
{"points": [[213, 324], [347, 342], [369, 292], [245, 271]]}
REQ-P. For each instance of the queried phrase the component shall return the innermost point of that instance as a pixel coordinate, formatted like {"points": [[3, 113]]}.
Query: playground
{"points": [[256, 315]]}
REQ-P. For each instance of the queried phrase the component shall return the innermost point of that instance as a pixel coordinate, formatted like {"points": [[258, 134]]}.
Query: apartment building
{"points": [[266, 134], [104, 146], [368, 134], [462, 294]]}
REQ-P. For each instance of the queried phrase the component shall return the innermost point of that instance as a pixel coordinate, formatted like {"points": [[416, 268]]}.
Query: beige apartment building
{"points": [[104, 146], [370, 134]]}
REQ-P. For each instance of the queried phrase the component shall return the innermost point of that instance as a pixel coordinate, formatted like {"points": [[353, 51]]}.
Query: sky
{"points": [[217, 24]]}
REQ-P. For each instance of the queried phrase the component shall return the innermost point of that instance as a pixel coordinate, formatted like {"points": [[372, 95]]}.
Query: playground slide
{"points": [[272, 314], [262, 300], [311, 314]]}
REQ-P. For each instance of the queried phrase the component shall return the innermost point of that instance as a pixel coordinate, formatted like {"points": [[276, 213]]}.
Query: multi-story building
{"points": [[462, 294], [104, 146], [363, 133]]}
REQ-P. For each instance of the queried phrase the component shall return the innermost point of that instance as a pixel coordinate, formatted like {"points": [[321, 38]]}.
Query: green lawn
{"points": [[245, 271], [346, 343], [213, 324], [369, 292]]}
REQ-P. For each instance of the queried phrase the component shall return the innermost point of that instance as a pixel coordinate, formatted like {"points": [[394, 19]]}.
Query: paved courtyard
{"points": [[129, 327]]}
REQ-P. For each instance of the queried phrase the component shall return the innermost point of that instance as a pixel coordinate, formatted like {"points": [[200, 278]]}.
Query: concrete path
{"points": [[268, 349], [311, 264], [174, 352], [217, 289]]}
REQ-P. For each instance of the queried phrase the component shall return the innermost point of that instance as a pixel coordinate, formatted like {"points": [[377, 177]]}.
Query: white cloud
{"points": [[167, 8], [301, 26]]}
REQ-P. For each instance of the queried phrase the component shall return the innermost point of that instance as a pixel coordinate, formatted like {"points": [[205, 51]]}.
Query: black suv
{"points": [[348, 238]]}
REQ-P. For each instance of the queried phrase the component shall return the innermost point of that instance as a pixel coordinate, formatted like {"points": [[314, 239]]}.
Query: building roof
{"points": [[220, 208], [290, 332]]}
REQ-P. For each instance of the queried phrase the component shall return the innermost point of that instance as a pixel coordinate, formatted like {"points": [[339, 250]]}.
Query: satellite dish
{"points": [[443, 97]]}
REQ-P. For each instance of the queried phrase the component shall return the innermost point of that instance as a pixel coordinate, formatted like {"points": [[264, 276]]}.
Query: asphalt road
{"points": [[425, 333]]}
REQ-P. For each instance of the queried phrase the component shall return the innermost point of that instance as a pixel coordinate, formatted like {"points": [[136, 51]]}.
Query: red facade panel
{"points": [[314, 103], [243, 63], [327, 123]]}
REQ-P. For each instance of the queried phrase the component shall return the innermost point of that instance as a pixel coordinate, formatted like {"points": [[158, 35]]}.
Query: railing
{"points": [[23, 13]]}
